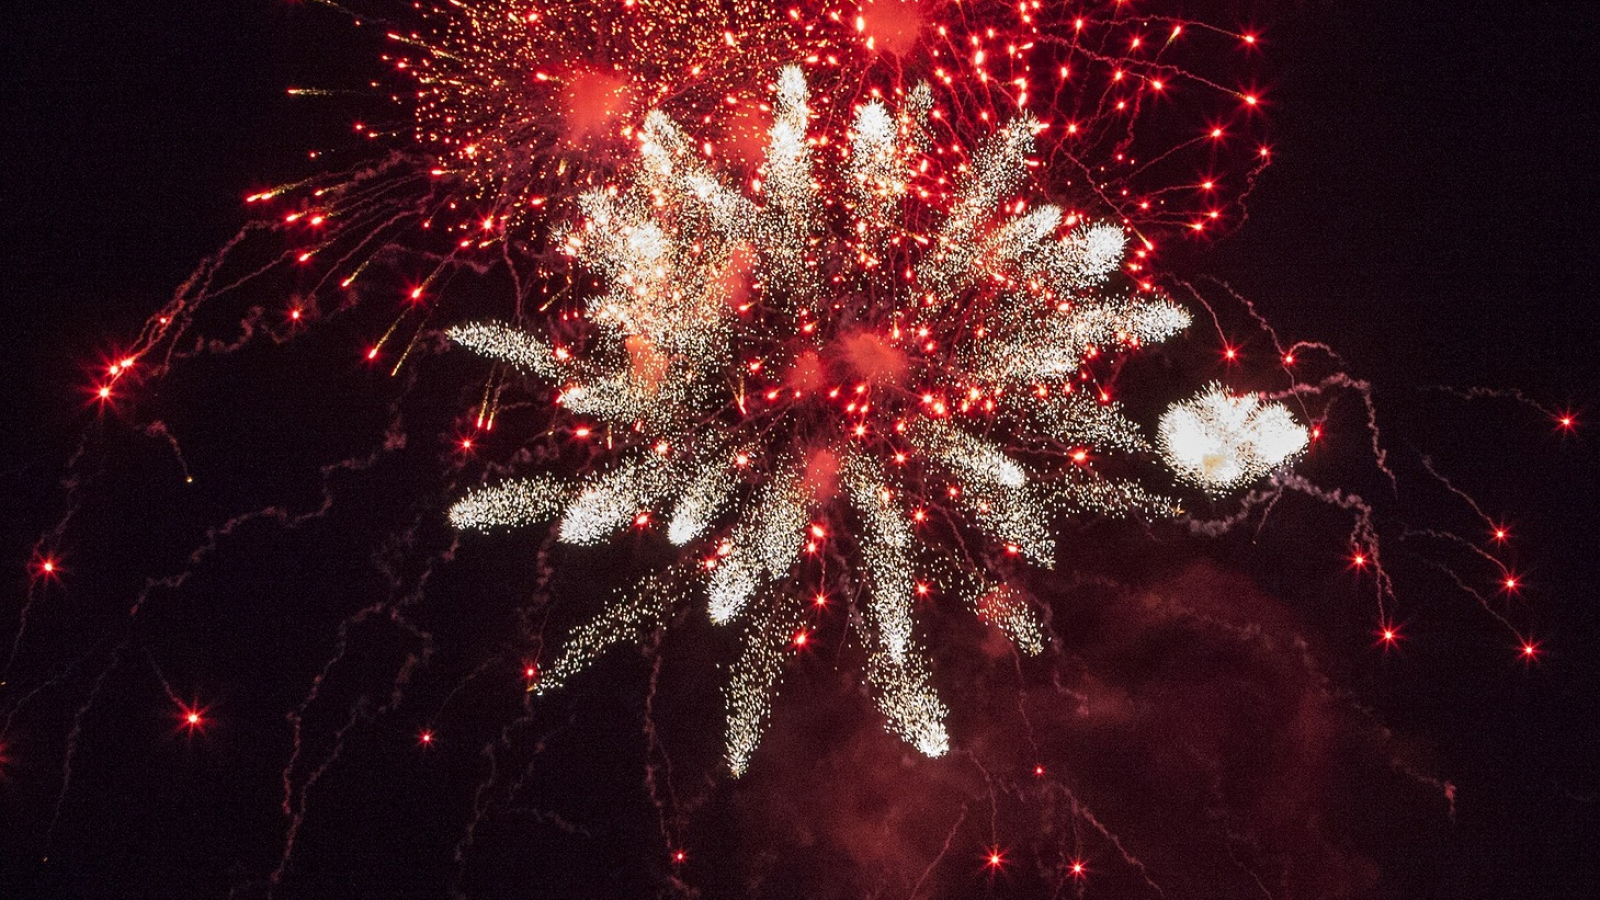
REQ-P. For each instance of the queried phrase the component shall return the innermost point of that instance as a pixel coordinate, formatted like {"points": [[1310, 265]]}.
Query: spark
{"points": [[994, 859]]}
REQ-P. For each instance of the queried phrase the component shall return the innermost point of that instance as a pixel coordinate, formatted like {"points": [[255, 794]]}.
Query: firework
{"points": [[524, 101], [528, 103], [1219, 441], [491, 118], [833, 361]]}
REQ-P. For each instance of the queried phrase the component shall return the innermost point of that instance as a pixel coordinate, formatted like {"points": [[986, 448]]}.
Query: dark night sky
{"points": [[1432, 213]]}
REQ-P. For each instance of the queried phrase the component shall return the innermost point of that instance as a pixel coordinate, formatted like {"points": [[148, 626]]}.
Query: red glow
{"points": [[678, 857], [800, 639], [1038, 771], [1078, 869], [1567, 421], [191, 718], [1359, 560], [1530, 651], [425, 738], [1511, 583], [1500, 534], [995, 859], [46, 567]]}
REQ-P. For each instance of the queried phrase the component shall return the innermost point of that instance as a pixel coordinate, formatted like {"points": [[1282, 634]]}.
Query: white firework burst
{"points": [[1218, 441], [833, 359]]}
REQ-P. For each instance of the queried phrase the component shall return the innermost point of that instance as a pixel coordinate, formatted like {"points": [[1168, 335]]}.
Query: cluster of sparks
{"points": [[509, 110], [837, 358]]}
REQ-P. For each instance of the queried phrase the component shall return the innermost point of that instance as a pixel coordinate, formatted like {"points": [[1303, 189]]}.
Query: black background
{"points": [[1431, 213]]}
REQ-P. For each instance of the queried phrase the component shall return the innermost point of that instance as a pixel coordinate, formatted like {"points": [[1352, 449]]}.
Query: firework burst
{"points": [[860, 356], [490, 119]]}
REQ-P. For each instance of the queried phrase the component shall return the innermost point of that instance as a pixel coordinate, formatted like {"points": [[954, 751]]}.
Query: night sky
{"points": [[1216, 705]]}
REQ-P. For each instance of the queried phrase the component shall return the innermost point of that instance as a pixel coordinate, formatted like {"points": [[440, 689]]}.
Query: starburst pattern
{"points": [[842, 360]]}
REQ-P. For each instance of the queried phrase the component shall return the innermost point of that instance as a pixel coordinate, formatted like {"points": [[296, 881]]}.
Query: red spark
{"points": [[1038, 771], [46, 567], [1359, 560], [1530, 651], [1078, 869], [191, 718], [679, 857], [1511, 583], [425, 738], [800, 639], [995, 859]]}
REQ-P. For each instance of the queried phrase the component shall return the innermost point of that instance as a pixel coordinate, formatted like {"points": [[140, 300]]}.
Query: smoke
{"points": [[1179, 740]]}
